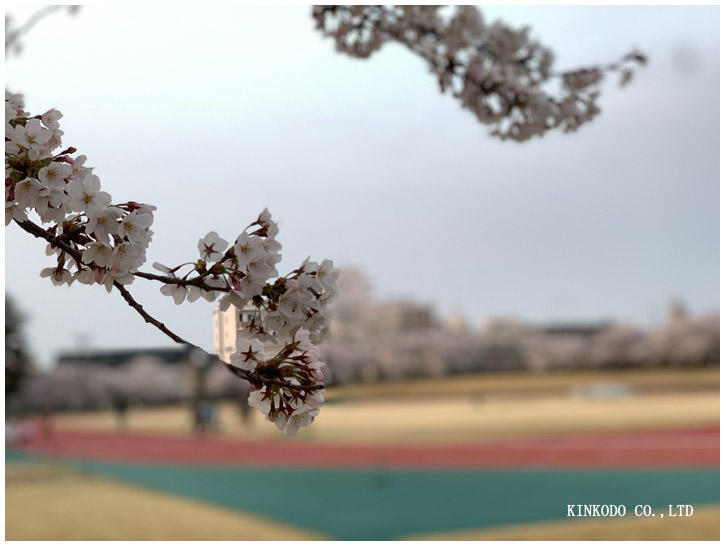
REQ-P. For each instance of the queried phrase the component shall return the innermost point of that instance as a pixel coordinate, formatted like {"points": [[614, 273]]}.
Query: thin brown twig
{"points": [[198, 281], [126, 295]]}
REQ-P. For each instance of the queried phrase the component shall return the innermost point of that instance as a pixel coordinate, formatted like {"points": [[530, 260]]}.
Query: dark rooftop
{"points": [[118, 357]]}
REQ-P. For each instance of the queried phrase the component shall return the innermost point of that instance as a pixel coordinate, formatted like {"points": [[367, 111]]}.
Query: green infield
{"points": [[388, 504]]}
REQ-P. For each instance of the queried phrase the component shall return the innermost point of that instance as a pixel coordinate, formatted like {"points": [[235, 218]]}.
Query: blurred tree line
{"points": [[372, 341], [17, 360]]}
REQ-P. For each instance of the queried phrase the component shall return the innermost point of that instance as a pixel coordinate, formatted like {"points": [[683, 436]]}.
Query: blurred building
{"points": [[578, 330], [456, 323], [226, 328], [404, 316], [511, 327], [502, 327], [676, 311], [509, 343], [119, 357]]}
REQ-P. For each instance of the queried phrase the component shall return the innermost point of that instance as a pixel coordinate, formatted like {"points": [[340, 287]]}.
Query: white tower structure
{"points": [[226, 327]]}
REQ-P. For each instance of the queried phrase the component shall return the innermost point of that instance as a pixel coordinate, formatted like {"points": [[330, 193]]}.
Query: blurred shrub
{"points": [[17, 360]]}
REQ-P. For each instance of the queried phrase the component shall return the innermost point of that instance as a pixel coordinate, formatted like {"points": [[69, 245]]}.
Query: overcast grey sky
{"points": [[214, 113]]}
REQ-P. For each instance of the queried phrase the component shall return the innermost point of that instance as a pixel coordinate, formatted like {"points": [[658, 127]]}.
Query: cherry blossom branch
{"points": [[451, 64], [498, 72], [109, 240], [38, 231], [254, 378], [12, 35], [197, 281]]}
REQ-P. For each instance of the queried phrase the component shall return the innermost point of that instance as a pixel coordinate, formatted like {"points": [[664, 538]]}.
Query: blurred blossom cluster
{"points": [[371, 340], [435, 351], [499, 73], [76, 386], [427, 352], [688, 341], [15, 31]]}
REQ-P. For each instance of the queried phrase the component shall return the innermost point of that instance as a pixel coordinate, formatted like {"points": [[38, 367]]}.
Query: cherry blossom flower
{"points": [[104, 223], [176, 291], [127, 257], [78, 171], [59, 276], [212, 247], [248, 248], [99, 254], [32, 135], [27, 192], [86, 195], [50, 118], [290, 423], [14, 211], [55, 173], [195, 292], [135, 226], [236, 298], [249, 353]]}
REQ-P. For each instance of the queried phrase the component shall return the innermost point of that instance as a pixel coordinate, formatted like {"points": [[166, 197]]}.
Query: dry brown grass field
{"points": [[466, 408], [529, 384], [45, 502]]}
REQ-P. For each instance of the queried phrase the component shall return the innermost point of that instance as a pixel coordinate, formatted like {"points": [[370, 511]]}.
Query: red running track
{"points": [[653, 448]]}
